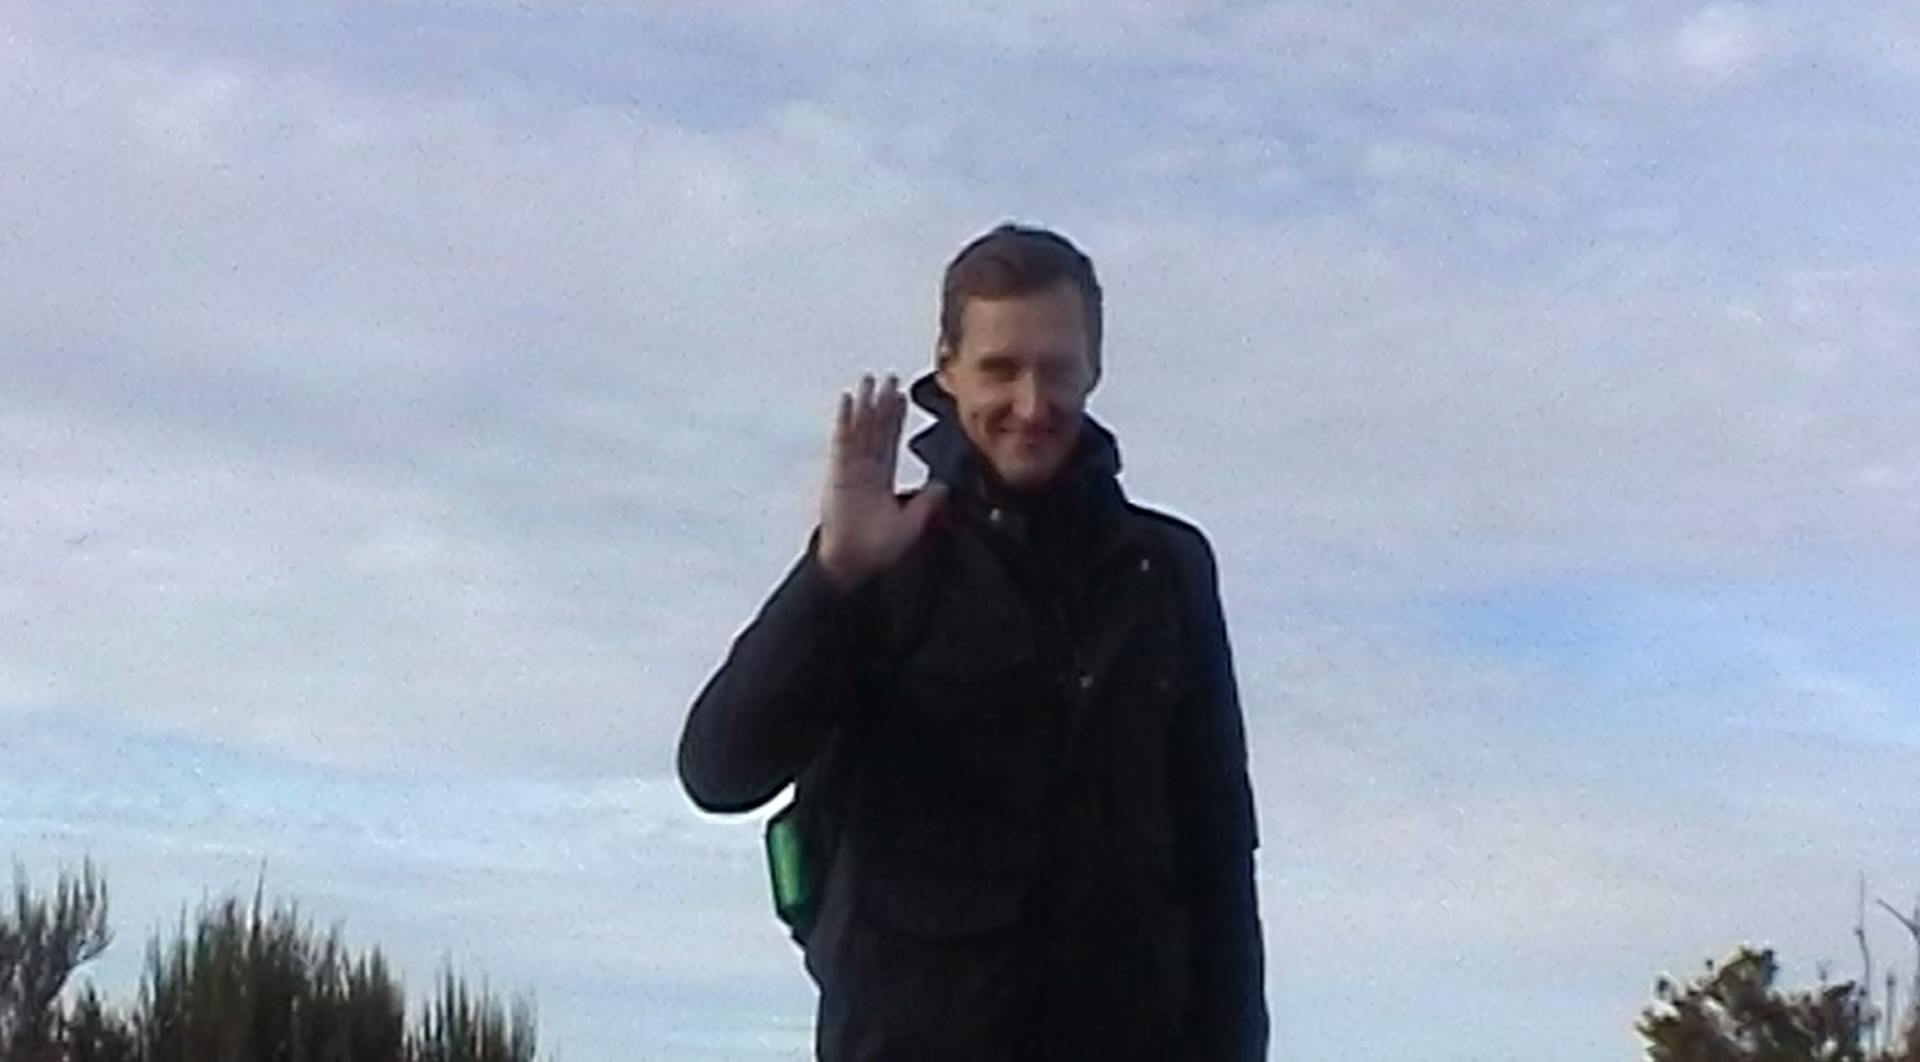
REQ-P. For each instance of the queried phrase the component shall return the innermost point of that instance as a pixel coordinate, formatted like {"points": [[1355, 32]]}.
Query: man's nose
{"points": [[1029, 400]]}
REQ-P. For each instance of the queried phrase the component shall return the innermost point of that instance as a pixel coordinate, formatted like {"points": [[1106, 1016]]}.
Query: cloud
{"points": [[303, 409], [1885, 38], [556, 890], [484, 405], [1723, 41], [1459, 818], [434, 388]]}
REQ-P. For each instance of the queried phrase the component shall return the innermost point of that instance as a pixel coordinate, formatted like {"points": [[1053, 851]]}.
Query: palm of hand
{"points": [[863, 527]]}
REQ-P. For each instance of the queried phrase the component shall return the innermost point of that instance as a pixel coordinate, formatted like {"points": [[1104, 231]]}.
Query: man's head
{"points": [[1019, 348]]}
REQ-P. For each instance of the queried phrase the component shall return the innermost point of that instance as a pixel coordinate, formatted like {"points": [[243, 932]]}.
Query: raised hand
{"points": [[863, 527]]}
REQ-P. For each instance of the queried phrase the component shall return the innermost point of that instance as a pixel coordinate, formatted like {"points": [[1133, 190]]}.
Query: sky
{"points": [[402, 405]]}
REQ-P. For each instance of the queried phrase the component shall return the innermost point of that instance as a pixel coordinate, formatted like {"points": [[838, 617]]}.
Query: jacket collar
{"points": [[951, 458], [1084, 497]]}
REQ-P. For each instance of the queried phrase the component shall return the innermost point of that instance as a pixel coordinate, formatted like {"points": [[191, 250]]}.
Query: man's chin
{"points": [[1027, 476]]}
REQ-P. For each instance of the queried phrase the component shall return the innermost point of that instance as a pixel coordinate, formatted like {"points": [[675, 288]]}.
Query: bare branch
{"points": [[1912, 924], [1866, 957]]}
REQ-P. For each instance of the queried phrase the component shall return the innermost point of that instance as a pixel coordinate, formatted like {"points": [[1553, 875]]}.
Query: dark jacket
{"points": [[1049, 832]]}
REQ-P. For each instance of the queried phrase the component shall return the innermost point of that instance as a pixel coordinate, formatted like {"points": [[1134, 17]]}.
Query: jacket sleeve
{"points": [[768, 709], [1214, 809]]}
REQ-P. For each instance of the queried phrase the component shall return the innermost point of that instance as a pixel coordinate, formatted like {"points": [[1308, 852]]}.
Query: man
{"points": [[1020, 685]]}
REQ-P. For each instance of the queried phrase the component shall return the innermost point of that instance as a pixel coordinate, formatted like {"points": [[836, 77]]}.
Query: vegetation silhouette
{"points": [[1734, 1012], [237, 984]]}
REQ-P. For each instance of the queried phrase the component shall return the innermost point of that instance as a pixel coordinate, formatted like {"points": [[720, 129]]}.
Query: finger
{"points": [[863, 416], [840, 438], [842, 432], [879, 414], [896, 418], [884, 440], [890, 407]]}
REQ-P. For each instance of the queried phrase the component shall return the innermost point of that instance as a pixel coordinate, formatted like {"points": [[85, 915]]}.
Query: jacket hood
{"points": [[951, 458]]}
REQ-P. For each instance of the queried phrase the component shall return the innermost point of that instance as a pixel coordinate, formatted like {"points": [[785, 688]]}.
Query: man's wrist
{"points": [[837, 573]]}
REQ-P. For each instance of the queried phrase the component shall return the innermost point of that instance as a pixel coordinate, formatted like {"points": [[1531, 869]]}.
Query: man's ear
{"points": [[943, 362]]}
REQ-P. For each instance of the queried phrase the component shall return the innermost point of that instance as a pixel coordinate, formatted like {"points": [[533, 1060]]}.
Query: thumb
{"points": [[921, 507]]}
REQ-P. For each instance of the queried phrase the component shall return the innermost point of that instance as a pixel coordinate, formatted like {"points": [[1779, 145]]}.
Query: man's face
{"points": [[1020, 377]]}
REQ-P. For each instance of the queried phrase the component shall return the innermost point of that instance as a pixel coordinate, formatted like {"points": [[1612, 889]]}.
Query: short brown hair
{"points": [[1014, 260]]}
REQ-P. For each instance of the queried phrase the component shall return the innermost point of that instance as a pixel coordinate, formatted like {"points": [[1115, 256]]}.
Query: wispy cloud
{"points": [[416, 392]]}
